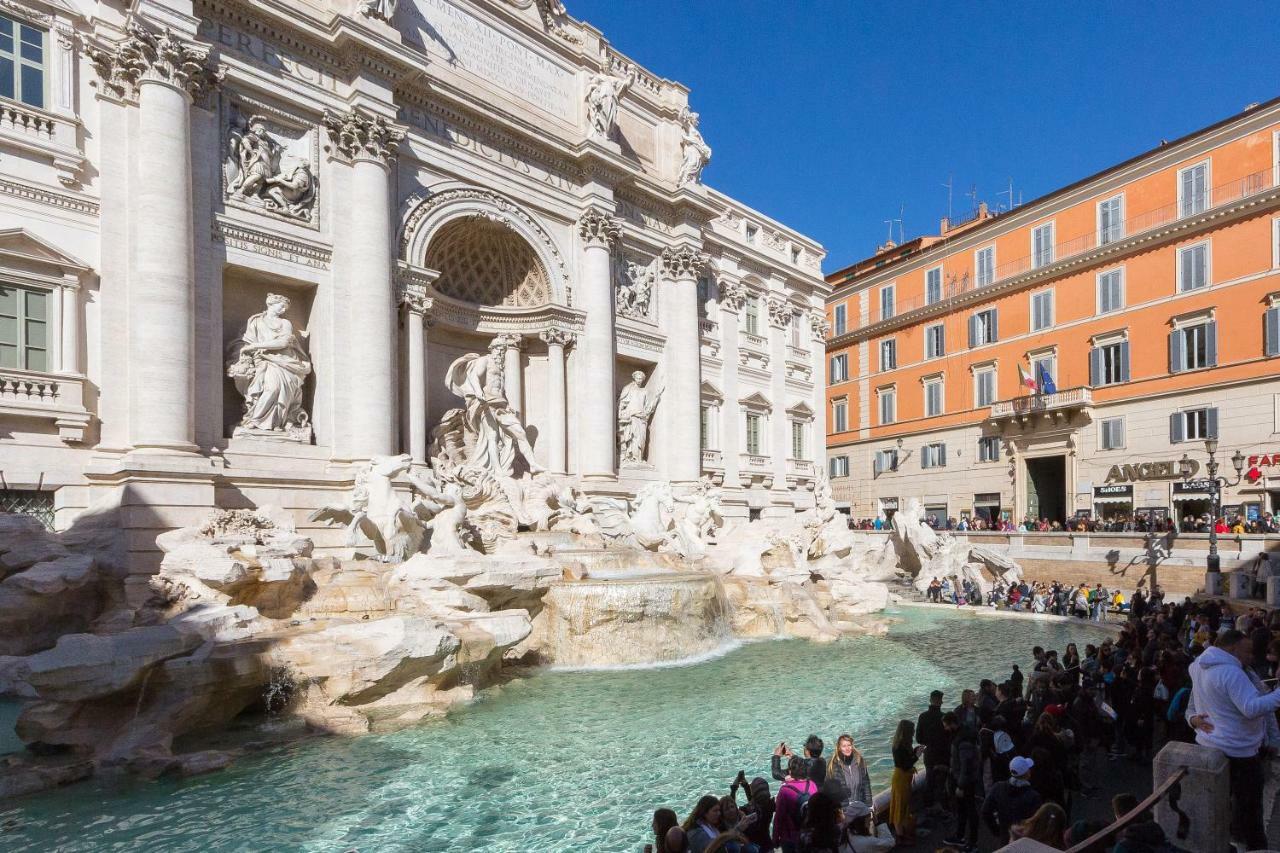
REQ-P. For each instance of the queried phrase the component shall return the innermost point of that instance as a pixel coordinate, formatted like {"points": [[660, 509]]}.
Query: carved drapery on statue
{"points": [[261, 170], [636, 405], [695, 153], [604, 91], [633, 288], [269, 367]]}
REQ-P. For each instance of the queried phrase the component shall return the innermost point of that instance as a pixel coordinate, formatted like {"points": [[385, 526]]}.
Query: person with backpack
{"points": [[966, 774], [793, 798]]}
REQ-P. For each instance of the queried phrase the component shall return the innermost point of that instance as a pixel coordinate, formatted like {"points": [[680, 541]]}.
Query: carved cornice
{"points": [[239, 236], [558, 337], [356, 134], [779, 311], [41, 195], [598, 228], [683, 262], [147, 56]]}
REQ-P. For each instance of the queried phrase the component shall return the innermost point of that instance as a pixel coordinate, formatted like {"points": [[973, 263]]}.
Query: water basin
{"points": [[565, 760]]}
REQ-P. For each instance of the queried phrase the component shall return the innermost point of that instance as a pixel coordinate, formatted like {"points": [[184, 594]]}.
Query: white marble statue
{"points": [[261, 174], [375, 510], [633, 289], [492, 433], [604, 91], [269, 366], [695, 153], [442, 505], [636, 405], [701, 517], [383, 10]]}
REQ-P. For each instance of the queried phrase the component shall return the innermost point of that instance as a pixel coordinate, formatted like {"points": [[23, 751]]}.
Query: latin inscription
{"points": [[457, 137], [460, 39], [266, 54]]}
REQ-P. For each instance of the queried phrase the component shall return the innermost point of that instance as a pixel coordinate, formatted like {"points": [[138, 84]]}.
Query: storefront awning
{"points": [[1113, 499], [1192, 496]]}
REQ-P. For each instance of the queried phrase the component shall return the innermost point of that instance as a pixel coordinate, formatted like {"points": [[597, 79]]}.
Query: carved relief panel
{"points": [[634, 286], [270, 161]]}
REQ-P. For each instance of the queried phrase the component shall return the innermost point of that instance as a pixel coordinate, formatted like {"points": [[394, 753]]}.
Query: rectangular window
{"points": [[840, 416], [888, 406], [933, 456], [984, 265], [1109, 364], [886, 302], [841, 316], [983, 328], [751, 234], [1110, 291], [984, 386], [753, 315], [885, 460], [1193, 347], [22, 62], [753, 434], [24, 328], [889, 355], [1110, 220], [1050, 365], [704, 427], [1193, 425], [839, 368], [1193, 267], [838, 466], [934, 341], [1042, 245], [1193, 189], [1111, 434], [795, 329], [933, 398], [933, 285], [797, 440], [989, 448], [1041, 310]]}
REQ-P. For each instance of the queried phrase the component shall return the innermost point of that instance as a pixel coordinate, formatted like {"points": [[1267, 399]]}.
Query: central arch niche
{"points": [[486, 263]]}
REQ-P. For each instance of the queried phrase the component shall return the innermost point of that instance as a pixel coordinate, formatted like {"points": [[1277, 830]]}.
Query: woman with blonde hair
{"points": [[1047, 826], [905, 756], [847, 777]]}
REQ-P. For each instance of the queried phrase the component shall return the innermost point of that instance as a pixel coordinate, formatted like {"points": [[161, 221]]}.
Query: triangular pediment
{"points": [[710, 391], [756, 401], [21, 246], [801, 411]]}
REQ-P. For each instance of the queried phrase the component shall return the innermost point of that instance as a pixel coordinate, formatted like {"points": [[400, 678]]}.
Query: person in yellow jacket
{"points": [[1117, 601]]}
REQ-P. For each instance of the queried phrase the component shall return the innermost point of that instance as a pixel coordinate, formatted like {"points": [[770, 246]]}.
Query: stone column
{"points": [[69, 323], [167, 74], [733, 296], [364, 246], [597, 422], [683, 357], [557, 341], [818, 327], [512, 375], [417, 307], [780, 438]]}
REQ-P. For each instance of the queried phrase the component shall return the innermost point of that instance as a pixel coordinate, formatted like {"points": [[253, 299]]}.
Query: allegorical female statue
{"points": [[636, 405], [269, 367]]}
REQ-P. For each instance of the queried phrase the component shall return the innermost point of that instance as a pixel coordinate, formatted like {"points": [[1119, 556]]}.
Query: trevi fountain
{"points": [[420, 452]]}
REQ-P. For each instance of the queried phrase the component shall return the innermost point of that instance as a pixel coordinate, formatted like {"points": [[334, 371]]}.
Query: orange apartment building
{"points": [[1147, 294]]}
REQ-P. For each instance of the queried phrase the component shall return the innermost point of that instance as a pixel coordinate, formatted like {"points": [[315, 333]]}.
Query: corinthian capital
{"points": [[733, 295], [357, 134], [598, 228], [416, 302], [558, 337], [683, 262], [818, 323], [145, 55], [779, 312]]}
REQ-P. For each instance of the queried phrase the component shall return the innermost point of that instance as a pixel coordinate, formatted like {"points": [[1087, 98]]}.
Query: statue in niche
{"points": [[263, 174], [604, 91], [269, 366], [491, 432], [634, 289], [695, 153], [382, 10], [636, 405]]}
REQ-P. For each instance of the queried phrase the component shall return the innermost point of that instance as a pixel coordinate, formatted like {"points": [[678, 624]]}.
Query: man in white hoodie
{"points": [[1231, 711]]}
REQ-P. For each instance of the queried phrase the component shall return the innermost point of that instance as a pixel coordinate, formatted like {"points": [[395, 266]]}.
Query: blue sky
{"points": [[831, 116]]}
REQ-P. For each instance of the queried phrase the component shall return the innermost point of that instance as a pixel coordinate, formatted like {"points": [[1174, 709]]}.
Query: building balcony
{"points": [[754, 342], [797, 355], [707, 328], [28, 394], [801, 468], [753, 462], [43, 134], [712, 460], [1063, 403]]}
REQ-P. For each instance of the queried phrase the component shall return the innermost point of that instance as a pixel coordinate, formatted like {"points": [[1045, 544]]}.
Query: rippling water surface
{"points": [[561, 761]]}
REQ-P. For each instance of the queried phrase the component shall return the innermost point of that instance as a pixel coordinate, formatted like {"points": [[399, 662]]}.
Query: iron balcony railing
{"points": [[1064, 250]]}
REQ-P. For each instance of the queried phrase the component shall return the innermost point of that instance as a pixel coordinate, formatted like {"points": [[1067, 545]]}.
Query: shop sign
{"points": [[1254, 472], [1132, 472], [1126, 491], [1193, 486]]}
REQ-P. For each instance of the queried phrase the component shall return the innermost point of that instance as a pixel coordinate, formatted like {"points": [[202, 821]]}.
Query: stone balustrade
{"points": [[1059, 401], [754, 342], [43, 134], [800, 467], [797, 355], [712, 460], [753, 462], [26, 393], [707, 328]]}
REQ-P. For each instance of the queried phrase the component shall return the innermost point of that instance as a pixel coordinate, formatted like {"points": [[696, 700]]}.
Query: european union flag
{"points": [[1045, 380]]}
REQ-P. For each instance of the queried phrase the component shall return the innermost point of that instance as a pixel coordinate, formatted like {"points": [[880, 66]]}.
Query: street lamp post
{"points": [[1213, 563]]}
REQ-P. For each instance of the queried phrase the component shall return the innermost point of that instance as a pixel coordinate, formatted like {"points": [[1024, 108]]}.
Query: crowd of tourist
{"points": [[1232, 524], [1058, 599], [1018, 756]]}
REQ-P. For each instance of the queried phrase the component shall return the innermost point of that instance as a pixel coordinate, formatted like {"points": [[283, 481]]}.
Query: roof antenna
{"points": [[902, 237], [949, 185], [1009, 193]]}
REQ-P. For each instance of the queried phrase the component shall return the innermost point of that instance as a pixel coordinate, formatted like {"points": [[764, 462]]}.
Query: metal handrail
{"points": [[1170, 786]]}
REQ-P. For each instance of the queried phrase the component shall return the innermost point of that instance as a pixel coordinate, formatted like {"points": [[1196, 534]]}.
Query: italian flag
{"points": [[1026, 378]]}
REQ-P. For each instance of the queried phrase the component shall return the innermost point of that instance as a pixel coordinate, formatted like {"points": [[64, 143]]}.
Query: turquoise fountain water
{"points": [[561, 761]]}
